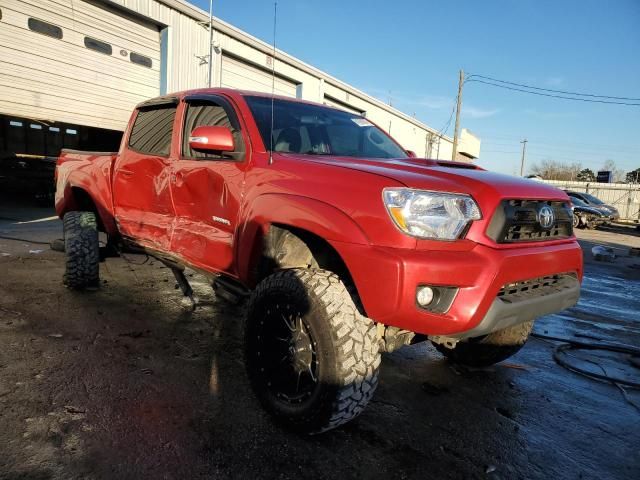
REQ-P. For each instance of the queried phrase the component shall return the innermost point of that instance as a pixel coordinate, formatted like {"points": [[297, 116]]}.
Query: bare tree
{"points": [[618, 174], [554, 170]]}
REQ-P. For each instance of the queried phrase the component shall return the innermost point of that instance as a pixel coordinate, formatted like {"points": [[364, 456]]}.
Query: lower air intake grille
{"points": [[536, 287]]}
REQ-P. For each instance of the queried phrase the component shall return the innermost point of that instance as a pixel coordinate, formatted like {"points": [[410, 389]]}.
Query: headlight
{"points": [[434, 215]]}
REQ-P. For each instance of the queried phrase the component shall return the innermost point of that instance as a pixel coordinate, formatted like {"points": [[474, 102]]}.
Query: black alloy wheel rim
{"points": [[287, 354]]}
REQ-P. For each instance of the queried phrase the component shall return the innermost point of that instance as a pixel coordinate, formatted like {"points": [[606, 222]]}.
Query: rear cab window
{"points": [[152, 129]]}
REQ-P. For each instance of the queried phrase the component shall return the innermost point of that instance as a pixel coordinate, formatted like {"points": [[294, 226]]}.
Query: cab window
{"points": [[210, 113], [153, 129]]}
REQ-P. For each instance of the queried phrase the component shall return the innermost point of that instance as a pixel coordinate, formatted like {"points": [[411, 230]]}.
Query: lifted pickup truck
{"points": [[345, 244]]}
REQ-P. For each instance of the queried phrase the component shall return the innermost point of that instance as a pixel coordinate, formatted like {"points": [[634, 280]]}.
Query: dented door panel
{"points": [[141, 190], [206, 198]]}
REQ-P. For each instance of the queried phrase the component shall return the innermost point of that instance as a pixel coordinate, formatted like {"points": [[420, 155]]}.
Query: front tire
{"points": [[488, 349], [576, 221], [311, 357], [82, 250]]}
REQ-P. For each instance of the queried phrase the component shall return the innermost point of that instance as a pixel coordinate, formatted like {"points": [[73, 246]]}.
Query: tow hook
{"points": [[447, 342]]}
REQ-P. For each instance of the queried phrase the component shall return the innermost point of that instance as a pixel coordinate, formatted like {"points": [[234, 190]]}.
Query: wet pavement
{"points": [[125, 382]]}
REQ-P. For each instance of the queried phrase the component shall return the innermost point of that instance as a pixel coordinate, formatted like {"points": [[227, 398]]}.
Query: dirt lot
{"points": [[124, 382]]}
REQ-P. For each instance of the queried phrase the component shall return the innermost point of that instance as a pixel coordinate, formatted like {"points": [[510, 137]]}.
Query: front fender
{"points": [[315, 216]]}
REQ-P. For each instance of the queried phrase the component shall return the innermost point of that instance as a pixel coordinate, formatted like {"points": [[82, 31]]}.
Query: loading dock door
{"points": [[75, 62], [245, 76]]}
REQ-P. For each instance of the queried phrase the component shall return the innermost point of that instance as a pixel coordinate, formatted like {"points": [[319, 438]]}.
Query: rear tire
{"points": [[489, 349], [312, 359], [82, 250]]}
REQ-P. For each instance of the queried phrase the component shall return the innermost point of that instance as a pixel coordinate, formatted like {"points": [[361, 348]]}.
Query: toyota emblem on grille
{"points": [[546, 217]]}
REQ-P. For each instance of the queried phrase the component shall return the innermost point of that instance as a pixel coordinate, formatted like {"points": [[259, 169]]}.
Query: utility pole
{"points": [[524, 149], [210, 43], [456, 132]]}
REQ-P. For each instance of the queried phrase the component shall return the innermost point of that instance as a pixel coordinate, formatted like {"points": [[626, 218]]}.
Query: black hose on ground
{"points": [[571, 344]]}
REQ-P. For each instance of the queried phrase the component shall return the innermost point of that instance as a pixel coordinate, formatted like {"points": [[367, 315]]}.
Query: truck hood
{"points": [[450, 177]]}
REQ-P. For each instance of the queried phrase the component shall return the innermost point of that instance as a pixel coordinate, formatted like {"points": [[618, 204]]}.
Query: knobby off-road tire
{"points": [[82, 250], [489, 349], [312, 359]]}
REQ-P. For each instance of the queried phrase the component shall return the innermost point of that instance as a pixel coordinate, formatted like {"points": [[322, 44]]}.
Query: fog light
{"points": [[424, 296]]}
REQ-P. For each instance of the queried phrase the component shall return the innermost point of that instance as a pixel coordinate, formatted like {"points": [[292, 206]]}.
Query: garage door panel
{"points": [[64, 62], [21, 101], [245, 76], [62, 79], [77, 79], [71, 90], [102, 27]]}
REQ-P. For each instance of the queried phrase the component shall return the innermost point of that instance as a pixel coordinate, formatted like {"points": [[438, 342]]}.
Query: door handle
{"points": [[125, 172], [176, 177]]}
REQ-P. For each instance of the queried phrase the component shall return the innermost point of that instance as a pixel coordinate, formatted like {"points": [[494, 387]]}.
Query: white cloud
{"points": [[434, 102], [473, 112], [407, 101]]}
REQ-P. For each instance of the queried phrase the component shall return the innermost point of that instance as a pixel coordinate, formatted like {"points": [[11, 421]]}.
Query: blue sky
{"points": [[411, 51]]}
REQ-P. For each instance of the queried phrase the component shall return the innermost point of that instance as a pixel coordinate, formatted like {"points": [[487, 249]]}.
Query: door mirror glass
{"points": [[211, 139]]}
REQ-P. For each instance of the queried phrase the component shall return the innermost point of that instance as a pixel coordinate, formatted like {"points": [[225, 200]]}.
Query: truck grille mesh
{"points": [[517, 221], [535, 287]]}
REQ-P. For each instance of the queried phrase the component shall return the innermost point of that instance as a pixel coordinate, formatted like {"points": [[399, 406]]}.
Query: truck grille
{"points": [[519, 221], [536, 287]]}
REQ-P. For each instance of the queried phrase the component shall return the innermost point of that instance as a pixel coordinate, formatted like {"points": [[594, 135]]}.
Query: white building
{"points": [[68, 67]]}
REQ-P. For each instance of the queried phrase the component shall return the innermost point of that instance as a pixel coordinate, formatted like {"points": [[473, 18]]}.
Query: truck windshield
{"points": [[316, 130]]}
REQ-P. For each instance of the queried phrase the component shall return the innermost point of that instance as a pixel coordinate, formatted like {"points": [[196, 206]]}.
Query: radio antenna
{"points": [[273, 79]]}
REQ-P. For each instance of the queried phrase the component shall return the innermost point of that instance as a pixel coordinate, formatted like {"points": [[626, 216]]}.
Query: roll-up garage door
{"points": [[245, 76], [341, 105], [76, 62]]}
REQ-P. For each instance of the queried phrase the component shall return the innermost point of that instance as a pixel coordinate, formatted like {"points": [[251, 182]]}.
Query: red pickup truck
{"points": [[345, 244]]}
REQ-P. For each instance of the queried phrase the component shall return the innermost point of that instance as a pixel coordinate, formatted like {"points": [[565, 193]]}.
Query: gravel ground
{"points": [[125, 382]]}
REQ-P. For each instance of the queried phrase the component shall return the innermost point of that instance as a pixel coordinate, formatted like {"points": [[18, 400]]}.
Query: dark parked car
{"points": [[585, 216], [594, 202]]}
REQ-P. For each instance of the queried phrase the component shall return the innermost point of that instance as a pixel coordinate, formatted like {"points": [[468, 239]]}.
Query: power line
{"points": [[443, 130], [555, 96], [552, 90]]}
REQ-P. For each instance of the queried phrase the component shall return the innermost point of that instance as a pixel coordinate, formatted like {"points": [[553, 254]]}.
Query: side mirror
{"points": [[411, 154], [211, 139]]}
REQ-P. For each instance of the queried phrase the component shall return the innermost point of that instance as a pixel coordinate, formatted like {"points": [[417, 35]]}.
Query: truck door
{"points": [[141, 193], [207, 187]]}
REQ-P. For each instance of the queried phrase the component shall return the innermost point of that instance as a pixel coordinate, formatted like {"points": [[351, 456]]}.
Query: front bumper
{"points": [[387, 278], [505, 313]]}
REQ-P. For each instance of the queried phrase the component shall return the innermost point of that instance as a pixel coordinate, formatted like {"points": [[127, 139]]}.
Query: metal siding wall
{"points": [[244, 76], [342, 106], [63, 80], [187, 39]]}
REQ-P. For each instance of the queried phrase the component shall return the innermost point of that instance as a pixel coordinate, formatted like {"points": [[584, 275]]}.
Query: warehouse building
{"points": [[72, 70]]}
